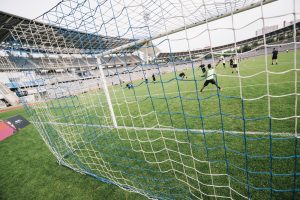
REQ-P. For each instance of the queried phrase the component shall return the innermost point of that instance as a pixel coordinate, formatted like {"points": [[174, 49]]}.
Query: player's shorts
{"points": [[234, 66], [212, 81], [274, 57]]}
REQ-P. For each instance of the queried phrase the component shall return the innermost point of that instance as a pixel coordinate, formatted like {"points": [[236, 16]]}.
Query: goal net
{"points": [[121, 90]]}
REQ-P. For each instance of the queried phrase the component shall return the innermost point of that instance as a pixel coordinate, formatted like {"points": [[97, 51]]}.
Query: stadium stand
{"points": [[283, 35]]}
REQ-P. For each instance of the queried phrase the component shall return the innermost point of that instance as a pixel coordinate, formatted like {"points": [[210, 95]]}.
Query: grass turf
{"points": [[28, 170], [166, 166]]}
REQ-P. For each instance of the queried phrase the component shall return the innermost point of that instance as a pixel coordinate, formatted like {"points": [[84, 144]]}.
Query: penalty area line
{"points": [[199, 131]]}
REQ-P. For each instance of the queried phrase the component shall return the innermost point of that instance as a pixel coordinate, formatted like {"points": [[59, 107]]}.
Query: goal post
{"points": [[106, 92]]}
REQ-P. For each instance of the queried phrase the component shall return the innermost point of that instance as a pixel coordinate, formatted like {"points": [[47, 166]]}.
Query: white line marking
{"points": [[165, 128]]}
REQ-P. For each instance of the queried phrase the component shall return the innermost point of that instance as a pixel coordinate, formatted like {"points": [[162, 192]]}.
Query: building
{"points": [[290, 23], [266, 30]]}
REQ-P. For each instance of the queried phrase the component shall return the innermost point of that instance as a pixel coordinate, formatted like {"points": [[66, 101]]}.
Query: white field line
{"points": [[258, 73], [161, 128]]}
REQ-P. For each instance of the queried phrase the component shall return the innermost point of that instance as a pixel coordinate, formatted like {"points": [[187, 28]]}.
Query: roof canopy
{"points": [[30, 34]]}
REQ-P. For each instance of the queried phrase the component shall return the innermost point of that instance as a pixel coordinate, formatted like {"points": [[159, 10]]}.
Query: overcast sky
{"points": [[27, 8], [225, 35], [199, 36]]}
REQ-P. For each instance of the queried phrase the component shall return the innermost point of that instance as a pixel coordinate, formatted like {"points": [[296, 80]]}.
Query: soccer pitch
{"points": [[174, 142]]}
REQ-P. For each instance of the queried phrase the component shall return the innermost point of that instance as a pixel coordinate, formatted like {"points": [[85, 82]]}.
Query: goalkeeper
{"points": [[210, 77]]}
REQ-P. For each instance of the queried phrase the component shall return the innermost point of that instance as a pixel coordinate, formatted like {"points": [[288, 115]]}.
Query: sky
{"points": [[27, 8], [220, 31]]}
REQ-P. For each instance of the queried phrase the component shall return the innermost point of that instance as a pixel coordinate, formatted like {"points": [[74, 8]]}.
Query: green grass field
{"points": [[171, 164], [28, 170]]}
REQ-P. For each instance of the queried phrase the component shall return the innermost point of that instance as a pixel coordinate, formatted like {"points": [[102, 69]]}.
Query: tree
{"points": [[281, 37], [270, 40], [255, 44], [245, 48], [208, 56]]}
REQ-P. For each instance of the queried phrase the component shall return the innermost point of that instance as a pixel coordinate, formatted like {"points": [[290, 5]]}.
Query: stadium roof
{"points": [[25, 34], [141, 19]]}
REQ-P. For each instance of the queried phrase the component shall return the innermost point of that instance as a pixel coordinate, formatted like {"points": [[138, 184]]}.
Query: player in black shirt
{"points": [[129, 85], [202, 67], [231, 62], [153, 77], [182, 75], [274, 56]]}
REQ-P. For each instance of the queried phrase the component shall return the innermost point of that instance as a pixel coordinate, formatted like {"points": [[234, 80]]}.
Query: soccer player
{"points": [[146, 79], [210, 77], [182, 75], [129, 85], [231, 62], [274, 56], [153, 77], [234, 62], [223, 61], [202, 67]]}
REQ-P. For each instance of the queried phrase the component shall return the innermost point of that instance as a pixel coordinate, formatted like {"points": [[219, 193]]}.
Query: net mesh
{"points": [[117, 96]]}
